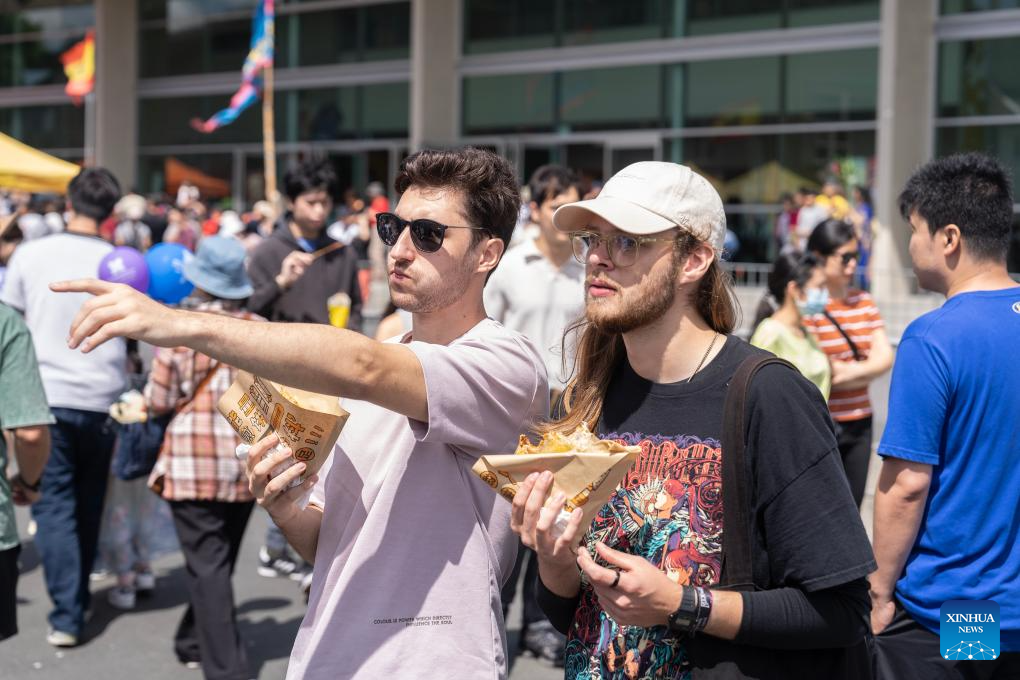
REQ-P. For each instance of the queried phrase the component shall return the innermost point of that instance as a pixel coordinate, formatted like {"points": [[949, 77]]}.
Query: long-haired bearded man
{"points": [[688, 571]]}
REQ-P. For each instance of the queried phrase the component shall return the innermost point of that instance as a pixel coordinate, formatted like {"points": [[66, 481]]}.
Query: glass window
{"points": [[204, 48], [45, 17], [823, 12], [376, 32], [831, 85], [709, 18], [822, 86], [324, 114], [1001, 141], [188, 12], [503, 25], [619, 158], [317, 38], [626, 97], [587, 22], [960, 6], [730, 16], [385, 109], [34, 62], [300, 116], [979, 77], [586, 160], [751, 94], [500, 25], [350, 112], [168, 121], [1013, 259], [45, 127], [201, 44], [356, 170], [508, 103], [386, 31]]}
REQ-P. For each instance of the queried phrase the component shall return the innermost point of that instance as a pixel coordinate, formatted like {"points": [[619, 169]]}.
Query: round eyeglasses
{"points": [[622, 248]]}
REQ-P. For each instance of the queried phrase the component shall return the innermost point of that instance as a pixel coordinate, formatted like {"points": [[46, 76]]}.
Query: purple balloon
{"points": [[125, 265]]}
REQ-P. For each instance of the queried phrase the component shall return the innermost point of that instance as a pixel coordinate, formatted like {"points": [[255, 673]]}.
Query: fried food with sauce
{"points": [[581, 440]]}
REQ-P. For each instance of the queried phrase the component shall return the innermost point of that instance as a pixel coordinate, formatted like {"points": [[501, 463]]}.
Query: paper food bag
{"points": [[587, 478], [307, 422]]}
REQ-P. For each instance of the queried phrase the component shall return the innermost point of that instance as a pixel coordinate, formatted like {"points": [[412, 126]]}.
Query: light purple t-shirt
{"points": [[414, 547]]}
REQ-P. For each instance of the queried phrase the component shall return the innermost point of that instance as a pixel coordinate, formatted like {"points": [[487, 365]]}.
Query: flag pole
{"points": [[90, 130], [268, 135]]}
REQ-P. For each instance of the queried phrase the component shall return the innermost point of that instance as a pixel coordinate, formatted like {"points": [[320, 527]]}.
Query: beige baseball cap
{"points": [[649, 197]]}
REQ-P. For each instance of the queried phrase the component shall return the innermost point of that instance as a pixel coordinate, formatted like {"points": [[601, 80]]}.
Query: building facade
{"points": [[761, 96]]}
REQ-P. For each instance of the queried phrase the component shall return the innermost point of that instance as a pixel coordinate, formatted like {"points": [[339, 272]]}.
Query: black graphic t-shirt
{"points": [[668, 508]]}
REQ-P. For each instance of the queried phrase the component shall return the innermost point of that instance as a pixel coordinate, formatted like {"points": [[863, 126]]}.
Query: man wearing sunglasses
{"points": [[650, 590], [410, 548]]}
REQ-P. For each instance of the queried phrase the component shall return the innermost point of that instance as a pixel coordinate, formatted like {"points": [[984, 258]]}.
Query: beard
{"points": [[637, 307], [435, 292]]}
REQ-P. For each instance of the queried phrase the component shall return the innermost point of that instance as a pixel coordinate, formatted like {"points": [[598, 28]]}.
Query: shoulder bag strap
{"points": [[185, 403], [846, 336], [736, 573]]}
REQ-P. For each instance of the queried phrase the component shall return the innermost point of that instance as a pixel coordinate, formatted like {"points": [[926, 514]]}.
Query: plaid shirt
{"points": [[197, 461]]}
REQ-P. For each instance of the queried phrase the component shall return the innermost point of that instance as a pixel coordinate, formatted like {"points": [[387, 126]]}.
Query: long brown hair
{"points": [[599, 353]]}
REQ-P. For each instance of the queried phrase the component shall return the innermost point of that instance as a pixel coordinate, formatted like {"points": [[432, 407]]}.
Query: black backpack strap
{"points": [[736, 573]]}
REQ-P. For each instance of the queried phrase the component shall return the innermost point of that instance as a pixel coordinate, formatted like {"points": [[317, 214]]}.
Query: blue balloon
{"points": [[166, 272]]}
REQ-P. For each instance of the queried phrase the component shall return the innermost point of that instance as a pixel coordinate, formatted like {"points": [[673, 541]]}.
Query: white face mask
{"points": [[814, 302]]}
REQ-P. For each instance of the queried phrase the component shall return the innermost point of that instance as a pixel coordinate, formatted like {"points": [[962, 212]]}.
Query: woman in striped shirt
{"points": [[852, 334]]}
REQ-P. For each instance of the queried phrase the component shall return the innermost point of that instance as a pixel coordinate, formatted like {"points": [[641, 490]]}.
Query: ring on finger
{"points": [[616, 581]]}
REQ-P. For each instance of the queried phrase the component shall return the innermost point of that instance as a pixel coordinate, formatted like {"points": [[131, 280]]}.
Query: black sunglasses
{"points": [[426, 235], [847, 258]]}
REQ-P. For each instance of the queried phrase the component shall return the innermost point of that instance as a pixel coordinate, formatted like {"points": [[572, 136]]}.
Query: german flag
{"points": [[80, 67]]}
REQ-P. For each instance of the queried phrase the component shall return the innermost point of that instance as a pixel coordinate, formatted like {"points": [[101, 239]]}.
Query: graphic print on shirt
{"points": [[668, 509]]}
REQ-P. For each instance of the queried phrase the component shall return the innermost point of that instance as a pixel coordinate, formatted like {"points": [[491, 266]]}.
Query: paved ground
{"points": [[138, 644]]}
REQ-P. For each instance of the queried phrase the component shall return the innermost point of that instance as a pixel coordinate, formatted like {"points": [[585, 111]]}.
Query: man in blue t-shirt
{"points": [[947, 508]]}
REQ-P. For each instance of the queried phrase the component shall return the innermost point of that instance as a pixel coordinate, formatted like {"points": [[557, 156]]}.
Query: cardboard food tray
{"points": [[588, 480], [307, 422]]}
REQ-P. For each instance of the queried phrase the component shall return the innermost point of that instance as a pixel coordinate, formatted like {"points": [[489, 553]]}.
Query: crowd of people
{"points": [[734, 545], [807, 208]]}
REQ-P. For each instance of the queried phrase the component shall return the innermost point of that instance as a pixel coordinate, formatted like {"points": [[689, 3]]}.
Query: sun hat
{"points": [[218, 268], [650, 197], [230, 223]]}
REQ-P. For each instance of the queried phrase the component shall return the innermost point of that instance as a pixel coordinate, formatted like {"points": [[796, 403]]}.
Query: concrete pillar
{"points": [[435, 85], [906, 128], [116, 93]]}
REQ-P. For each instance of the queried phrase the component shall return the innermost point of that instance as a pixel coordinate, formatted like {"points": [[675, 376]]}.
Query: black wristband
{"points": [[704, 596], [692, 614]]}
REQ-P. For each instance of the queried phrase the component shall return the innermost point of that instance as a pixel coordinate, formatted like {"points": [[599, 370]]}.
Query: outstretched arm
{"points": [[307, 356]]}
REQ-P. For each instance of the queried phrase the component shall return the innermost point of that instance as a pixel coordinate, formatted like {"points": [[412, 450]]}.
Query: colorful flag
{"points": [[80, 67], [260, 56]]}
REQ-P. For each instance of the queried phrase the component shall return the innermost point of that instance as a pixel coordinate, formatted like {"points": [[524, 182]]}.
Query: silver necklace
{"points": [[702, 362]]}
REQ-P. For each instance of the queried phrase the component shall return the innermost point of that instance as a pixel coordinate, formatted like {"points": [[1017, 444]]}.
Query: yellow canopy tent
{"points": [[27, 169], [765, 184]]}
